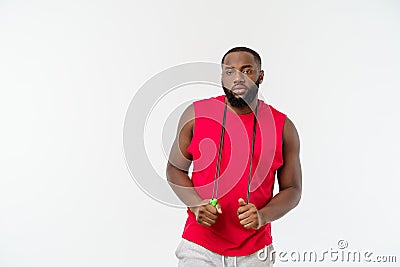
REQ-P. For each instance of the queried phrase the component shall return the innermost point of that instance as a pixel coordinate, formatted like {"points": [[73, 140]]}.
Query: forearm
{"points": [[280, 204], [183, 187]]}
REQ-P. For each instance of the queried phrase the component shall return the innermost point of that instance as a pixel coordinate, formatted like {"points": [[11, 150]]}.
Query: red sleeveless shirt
{"points": [[227, 236]]}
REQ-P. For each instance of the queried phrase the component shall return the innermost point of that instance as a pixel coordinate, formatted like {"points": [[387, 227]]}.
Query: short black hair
{"points": [[256, 56]]}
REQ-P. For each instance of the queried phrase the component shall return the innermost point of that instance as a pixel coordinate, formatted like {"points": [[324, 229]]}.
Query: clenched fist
{"points": [[206, 214], [248, 215]]}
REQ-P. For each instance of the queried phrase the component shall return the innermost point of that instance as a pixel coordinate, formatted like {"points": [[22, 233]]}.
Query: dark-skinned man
{"points": [[237, 144]]}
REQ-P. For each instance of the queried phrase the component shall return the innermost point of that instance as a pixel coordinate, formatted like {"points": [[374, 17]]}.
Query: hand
{"points": [[248, 215], [206, 214]]}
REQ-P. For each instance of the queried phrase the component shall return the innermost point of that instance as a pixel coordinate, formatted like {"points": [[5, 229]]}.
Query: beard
{"points": [[242, 102]]}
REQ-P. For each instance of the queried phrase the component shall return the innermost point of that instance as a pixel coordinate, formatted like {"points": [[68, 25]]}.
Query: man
{"points": [[237, 144]]}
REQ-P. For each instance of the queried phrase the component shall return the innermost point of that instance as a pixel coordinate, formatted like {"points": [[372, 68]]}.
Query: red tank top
{"points": [[227, 236]]}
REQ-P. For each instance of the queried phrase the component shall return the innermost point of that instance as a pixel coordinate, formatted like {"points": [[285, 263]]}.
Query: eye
{"points": [[228, 72], [248, 71]]}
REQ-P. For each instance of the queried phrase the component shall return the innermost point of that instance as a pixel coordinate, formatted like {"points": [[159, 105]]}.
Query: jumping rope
{"points": [[214, 198]]}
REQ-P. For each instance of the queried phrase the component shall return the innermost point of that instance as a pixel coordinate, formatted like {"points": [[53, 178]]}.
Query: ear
{"points": [[261, 77]]}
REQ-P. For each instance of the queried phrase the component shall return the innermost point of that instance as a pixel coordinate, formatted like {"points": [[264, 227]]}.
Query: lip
{"points": [[236, 87], [239, 90]]}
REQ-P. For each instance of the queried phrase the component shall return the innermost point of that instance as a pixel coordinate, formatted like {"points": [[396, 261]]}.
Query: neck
{"points": [[243, 110]]}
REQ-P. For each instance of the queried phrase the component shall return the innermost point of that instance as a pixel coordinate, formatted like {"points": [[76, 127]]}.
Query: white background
{"points": [[68, 70]]}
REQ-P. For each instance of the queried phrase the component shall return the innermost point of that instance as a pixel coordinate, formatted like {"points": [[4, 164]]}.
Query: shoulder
{"points": [[187, 117], [197, 108], [285, 124], [275, 112], [290, 134], [209, 101], [278, 117], [207, 107]]}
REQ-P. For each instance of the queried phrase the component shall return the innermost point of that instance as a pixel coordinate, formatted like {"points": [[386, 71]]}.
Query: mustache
{"points": [[239, 86], [236, 86]]}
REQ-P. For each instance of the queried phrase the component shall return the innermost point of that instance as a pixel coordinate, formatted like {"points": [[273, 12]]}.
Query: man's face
{"points": [[241, 77]]}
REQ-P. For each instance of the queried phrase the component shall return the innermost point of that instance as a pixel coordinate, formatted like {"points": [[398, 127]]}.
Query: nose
{"points": [[238, 77]]}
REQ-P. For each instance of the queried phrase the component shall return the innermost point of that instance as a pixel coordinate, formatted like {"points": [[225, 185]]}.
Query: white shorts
{"points": [[190, 254]]}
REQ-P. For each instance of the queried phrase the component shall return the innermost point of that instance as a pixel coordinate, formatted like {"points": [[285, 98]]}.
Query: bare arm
{"points": [[177, 172], [180, 160], [289, 179]]}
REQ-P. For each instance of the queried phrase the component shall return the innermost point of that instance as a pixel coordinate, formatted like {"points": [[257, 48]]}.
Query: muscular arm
{"points": [[289, 178], [180, 160], [177, 173]]}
